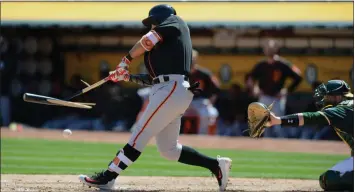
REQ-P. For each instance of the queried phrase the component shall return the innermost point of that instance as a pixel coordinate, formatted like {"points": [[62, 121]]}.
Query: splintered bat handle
{"points": [[93, 86], [87, 84], [75, 95]]}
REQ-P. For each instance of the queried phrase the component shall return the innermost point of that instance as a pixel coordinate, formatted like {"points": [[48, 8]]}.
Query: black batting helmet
{"points": [[158, 14]]}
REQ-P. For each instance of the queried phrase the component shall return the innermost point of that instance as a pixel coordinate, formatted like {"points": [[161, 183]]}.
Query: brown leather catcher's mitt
{"points": [[258, 116]]}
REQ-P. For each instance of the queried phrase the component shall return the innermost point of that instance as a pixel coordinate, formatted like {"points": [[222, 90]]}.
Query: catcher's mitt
{"points": [[258, 116]]}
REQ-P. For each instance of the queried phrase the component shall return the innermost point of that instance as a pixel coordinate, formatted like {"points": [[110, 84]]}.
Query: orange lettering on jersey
{"points": [[276, 75]]}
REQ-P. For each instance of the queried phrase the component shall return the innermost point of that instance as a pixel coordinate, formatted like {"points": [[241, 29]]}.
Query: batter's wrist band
{"points": [[126, 60], [290, 120], [129, 57]]}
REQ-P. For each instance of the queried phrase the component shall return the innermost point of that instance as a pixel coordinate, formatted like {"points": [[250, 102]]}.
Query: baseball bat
{"points": [[40, 99], [33, 98]]}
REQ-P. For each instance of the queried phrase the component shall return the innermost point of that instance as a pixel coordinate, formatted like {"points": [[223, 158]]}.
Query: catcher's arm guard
{"points": [[258, 116], [141, 79]]}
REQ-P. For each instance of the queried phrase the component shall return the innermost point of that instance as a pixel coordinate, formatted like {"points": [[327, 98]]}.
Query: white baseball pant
{"points": [[162, 118]]}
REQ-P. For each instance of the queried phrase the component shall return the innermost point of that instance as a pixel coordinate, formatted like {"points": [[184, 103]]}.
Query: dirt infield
{"points": [[71, 183]]}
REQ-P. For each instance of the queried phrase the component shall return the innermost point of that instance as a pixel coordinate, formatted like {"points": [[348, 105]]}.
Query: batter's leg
{"points": [[167, 140], [158, 114], [171, 149], [340, 177]]}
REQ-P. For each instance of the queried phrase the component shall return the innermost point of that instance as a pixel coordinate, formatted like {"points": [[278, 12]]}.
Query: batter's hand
{"points": [[124, 63], [120, 74]]}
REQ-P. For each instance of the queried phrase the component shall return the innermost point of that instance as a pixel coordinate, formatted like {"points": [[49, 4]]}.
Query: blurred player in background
{"points": [[232, 106], [267, 80], [336, 109], [202, 106]]}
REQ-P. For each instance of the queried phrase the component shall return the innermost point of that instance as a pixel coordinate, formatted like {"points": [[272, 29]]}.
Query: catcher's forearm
{"points": [[306, 118], [290, 120], [141, 79]]}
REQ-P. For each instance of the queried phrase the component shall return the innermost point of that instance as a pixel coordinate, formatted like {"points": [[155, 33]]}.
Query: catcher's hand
{"points": [[258, 117]]}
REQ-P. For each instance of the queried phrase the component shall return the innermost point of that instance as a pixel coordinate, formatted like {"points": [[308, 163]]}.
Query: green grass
{"points": [[36, 156]]}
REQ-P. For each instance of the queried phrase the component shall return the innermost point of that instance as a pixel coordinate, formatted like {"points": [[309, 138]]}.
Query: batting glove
{"points": [[124, 63], [120, 74]]}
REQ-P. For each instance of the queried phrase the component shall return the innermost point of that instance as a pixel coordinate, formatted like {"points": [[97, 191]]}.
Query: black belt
{"points": [[193, 88], [165, 79]]}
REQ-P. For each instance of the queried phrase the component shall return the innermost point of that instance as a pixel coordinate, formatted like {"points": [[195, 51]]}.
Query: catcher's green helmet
{"points": [[332, 87]]}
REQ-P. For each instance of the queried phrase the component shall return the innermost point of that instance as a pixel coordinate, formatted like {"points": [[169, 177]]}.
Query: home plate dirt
{"points": [[53, 183], [44, 183]]}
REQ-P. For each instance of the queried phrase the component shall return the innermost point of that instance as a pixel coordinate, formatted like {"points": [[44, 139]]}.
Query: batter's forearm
{"points": [[146, 43], [141, 79], [137, 50]]}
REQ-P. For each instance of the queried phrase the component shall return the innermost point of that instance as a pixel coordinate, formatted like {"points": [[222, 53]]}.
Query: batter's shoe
{"points": [[99, 180], [222, 173]]}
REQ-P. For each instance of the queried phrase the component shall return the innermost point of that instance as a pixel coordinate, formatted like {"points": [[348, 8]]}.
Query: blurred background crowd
{"points": [[47, 49]]}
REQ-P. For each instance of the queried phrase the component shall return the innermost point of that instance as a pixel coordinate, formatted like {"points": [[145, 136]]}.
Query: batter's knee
{"points": [[334, 181], [170, 153]]}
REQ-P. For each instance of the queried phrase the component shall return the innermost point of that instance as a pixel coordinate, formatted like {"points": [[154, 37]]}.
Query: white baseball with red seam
{"points": [[67, 133]]}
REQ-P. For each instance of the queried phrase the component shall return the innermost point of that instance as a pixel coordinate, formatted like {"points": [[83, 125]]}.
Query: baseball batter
{"points": [[337, 110], [167, 53]]}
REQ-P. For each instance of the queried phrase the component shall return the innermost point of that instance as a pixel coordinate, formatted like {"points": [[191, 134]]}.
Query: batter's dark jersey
{"points": [[272, 77], [208, 83], [173, 54]]}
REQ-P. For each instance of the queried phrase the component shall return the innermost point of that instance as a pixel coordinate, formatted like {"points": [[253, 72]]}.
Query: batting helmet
{"points": [[332, 88], [158, 14]]}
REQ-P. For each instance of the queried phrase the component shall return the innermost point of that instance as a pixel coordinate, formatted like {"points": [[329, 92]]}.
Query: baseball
{"points": [[67, 132]]}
